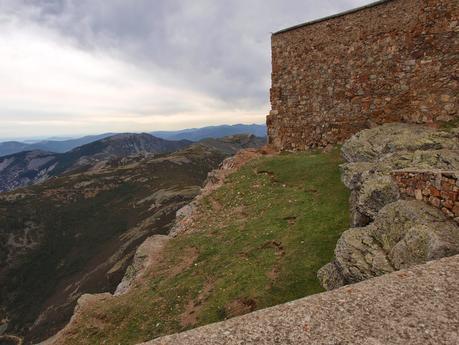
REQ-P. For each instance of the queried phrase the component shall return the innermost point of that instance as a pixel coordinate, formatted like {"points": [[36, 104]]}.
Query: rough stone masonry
{"points": [[391, 61], [437, 188]]}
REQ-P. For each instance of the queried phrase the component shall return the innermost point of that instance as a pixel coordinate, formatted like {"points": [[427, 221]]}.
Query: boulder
{"points": [[403, 234], [370, 144], [330, 276], [377, 191]]}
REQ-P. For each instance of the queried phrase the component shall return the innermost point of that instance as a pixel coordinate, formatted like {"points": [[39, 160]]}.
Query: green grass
{"points": [[260, 239], [450, 125]]}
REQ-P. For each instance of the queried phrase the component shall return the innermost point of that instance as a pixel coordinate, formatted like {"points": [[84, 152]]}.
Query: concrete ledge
{"points": [[415, 306]]}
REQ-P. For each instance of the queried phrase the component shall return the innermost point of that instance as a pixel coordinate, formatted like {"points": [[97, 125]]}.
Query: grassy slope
{"points": [[262, 237]]}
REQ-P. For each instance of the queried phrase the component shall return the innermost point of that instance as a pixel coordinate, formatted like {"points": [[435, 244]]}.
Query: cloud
{"points": [[95, 65]]}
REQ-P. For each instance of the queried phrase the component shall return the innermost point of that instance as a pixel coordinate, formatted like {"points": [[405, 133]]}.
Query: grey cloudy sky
{"points": [[71, 67]]}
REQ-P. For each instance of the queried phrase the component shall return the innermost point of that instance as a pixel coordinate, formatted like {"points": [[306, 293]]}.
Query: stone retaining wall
{"points": [[438, 188], [393, 61]]}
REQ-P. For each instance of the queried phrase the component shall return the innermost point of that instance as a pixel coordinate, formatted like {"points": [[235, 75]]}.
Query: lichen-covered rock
{"points": [[358, 256], [387, 234], [411, 232], [370, 144], [373, 154], [354, 173], [403, 234], [330, 276], [377, 191]]}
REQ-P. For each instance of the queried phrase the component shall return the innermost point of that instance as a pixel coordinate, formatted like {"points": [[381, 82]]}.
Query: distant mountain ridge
{"points": [[30, 167], [127, 144], [229, 145], [196, 134], [193, 134], [56, 146]]}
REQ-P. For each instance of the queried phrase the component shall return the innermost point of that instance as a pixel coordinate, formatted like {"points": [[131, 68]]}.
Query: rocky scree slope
{"points": [[256, 236], [389, 234], [78, 233], [30, 167]]}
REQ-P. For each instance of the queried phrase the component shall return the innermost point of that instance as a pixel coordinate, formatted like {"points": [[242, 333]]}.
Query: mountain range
{"points": [[29, 167], [196, 134], [56, 146], [192, 134]]}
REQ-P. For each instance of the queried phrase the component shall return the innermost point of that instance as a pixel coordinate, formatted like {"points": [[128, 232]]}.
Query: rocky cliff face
{"points": [[389, 234]]}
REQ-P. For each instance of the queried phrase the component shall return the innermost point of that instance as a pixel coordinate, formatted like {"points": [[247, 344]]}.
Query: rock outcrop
{"points": [[374, 153], [145, 256], [369, 145], [389, 234], [403, 234], [85, 301]]}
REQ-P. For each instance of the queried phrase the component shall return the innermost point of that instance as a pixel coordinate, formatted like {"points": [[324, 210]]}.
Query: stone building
{"points": [[393, 60]]}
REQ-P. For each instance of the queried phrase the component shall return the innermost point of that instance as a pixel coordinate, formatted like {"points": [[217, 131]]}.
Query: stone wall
{"points": [[438, 188], [393, 61]]}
